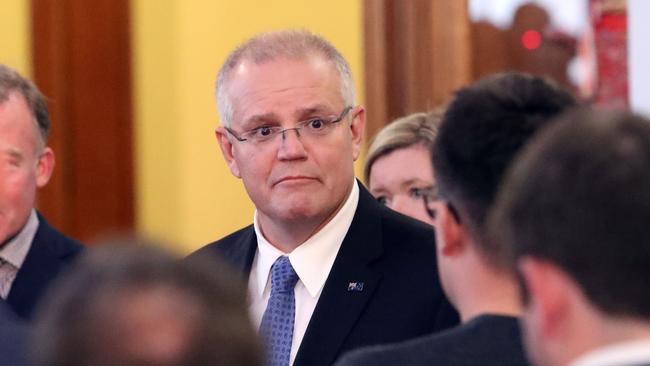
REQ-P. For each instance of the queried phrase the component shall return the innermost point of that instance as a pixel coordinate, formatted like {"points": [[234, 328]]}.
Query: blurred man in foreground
{"points": [[137, 306], [575, 214]]}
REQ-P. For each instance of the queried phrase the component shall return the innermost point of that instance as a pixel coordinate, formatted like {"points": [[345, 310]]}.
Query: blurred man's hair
{"points": [[134, 305], [481, 132], [579, 197]]}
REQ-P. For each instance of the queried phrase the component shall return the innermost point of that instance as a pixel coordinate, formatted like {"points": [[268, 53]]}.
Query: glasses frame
{"points": [[300, 125]]}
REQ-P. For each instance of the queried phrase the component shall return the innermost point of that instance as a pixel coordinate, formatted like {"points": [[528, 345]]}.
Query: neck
{"points": [[592, 329], [484, 290]]}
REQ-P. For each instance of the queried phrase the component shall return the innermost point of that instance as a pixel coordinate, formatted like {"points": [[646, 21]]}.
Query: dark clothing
{"points": [[51, 252], [383, 286], [485, 340], [13, 338]]}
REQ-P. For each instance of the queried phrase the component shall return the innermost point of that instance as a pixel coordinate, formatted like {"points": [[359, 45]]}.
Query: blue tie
{"points": [[277, 323]]}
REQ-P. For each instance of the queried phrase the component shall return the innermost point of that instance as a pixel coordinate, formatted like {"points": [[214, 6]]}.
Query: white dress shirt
{"points": [[625, 353], [312, 261], [13, 254]]}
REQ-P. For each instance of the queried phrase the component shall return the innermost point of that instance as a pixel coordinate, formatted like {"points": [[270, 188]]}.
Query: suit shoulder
{"points": [[486, 340], [406, 231], [225, 244], [421, 350], [66, 247]]}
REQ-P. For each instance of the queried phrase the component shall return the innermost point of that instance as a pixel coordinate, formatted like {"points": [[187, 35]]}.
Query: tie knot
{"points": [[283, 277]]}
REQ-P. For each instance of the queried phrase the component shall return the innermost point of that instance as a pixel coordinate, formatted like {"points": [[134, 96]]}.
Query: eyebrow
{"points": [[300, 113], [417, 180], [12, 153], [258, 119]]}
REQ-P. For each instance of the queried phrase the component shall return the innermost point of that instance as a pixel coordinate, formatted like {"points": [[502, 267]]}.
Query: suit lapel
{"points": [[40, 266], [349, 287]]}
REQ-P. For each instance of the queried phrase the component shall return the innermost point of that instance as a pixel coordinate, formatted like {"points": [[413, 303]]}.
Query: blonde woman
{"points": [[398, 167]]}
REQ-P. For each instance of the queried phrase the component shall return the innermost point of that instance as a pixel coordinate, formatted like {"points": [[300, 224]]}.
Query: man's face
{"points": [[292, 178], [24, 165]]}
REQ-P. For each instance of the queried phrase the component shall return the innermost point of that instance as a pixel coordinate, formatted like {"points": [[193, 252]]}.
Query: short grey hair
{"points": [[12, 82], [292, 44]]}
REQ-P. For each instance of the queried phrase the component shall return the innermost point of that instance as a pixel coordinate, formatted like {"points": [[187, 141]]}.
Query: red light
{"points": [[531, 39]]}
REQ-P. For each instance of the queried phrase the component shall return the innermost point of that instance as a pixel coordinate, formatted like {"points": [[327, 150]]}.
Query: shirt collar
{"points": [[626, 353], [313, 259], [15, 251]]}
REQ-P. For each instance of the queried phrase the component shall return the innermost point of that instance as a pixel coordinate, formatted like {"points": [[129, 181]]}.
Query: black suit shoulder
{"points": [[237, 250], [50, 254], [226, 244], [410, 254], [486, 340], [63, 247]]}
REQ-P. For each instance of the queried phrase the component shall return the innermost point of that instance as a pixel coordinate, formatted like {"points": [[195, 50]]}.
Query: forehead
{"points": [[407, 164], [283, 86]]}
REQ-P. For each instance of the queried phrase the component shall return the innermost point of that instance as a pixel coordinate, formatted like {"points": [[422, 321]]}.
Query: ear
{"points": [[453, 235], [44, 167], [357, 128], [227, 150], [548, 294]]}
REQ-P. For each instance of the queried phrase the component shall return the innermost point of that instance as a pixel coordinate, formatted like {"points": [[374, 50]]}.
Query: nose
{"points": [[291, 146]]}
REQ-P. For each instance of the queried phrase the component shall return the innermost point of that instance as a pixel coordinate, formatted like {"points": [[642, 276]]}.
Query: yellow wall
{"points": [[186, 193], [15, 41]]}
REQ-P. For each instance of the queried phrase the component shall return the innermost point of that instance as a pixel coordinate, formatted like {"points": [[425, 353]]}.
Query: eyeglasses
{"points": [[313, 127], [431, 196]]}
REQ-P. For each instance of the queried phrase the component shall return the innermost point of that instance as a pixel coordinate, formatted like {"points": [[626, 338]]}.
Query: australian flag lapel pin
{"points": [[355, 286]]}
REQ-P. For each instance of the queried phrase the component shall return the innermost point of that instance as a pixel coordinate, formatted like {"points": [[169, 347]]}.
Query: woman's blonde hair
{"points": [[417, 128]]}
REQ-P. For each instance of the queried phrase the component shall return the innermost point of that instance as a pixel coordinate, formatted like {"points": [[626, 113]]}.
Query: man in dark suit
{"points": [[13, 337], [574, 213], [337, 269], [481, 132], [32, 253]]}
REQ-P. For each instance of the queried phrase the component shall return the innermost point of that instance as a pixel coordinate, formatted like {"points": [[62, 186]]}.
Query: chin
{"points": [[299, 213]]}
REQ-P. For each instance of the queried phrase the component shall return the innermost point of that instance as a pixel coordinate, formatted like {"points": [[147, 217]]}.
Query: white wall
{"points": [[639, 55]]}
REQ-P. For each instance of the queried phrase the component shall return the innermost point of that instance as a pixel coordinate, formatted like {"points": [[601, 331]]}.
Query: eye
{"points": [[418, 192], [262, 132], [316, 123]]}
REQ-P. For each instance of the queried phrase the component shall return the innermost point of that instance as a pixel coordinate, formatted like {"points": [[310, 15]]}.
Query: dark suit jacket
{"points": [[51, 252], [393, 256], [485, 340], [13, 338]]}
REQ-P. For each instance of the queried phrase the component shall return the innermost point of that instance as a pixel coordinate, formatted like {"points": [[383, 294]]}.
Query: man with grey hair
{"points": [[329, 269], [31, 252]]}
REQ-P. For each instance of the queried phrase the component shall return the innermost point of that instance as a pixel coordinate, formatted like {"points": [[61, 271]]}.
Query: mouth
{"points": [[294, 179]]}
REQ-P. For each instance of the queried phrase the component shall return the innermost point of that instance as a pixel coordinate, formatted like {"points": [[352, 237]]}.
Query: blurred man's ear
{"points": [[357, 127], [45, 167], [227, 150], [452, 233], [549, 291]]}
